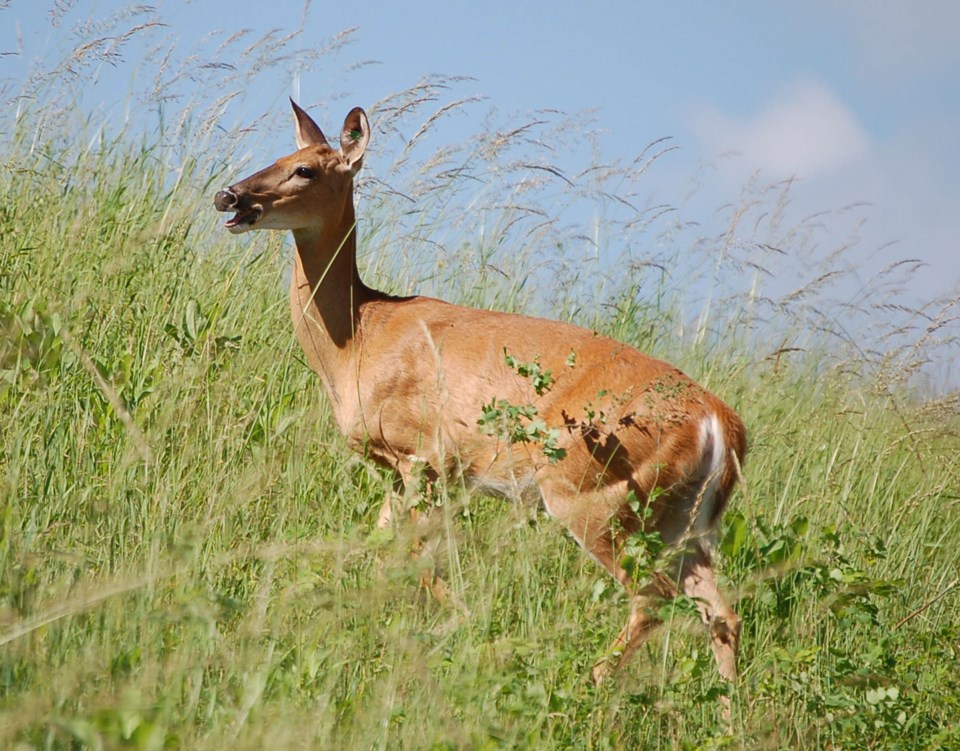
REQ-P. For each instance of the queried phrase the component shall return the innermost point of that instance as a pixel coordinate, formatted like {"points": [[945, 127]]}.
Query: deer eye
{"points": [[304, 172]]}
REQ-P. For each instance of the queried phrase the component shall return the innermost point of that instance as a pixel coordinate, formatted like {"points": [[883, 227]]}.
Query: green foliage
{"points": [[541, 380], [31, 348], [519, 423], [643, 554]]}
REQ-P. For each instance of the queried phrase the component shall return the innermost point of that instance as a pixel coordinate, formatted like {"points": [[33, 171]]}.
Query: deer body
{"points": [[644, 447]]}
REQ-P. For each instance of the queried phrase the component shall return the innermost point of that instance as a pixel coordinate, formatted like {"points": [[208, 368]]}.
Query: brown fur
{"points": [[407, 378]]}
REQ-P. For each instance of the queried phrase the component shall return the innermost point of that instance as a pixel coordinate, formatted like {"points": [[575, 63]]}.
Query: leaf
{"points": [[599, 588], [190, 318], [736, 536]]}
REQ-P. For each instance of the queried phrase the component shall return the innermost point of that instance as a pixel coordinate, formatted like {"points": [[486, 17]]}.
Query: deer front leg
{"points": [[385, 517], [405, 491], [413, 494]]}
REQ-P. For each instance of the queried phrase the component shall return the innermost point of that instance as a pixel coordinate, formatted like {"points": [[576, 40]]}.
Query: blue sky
{"points": [[860, 101]]}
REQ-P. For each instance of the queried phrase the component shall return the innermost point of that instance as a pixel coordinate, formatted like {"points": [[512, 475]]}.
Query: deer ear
{"points": [[354, 138], [308, 132]]}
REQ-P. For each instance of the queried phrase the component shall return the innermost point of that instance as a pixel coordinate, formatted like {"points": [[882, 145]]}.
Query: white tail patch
{"points": [[713, 451]]}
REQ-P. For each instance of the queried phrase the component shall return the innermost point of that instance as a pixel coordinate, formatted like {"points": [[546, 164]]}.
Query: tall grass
{"points": [[186, 558]]}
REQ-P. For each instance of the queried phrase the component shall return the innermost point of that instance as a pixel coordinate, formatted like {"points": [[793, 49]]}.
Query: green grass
{"points": [[186, 559]]}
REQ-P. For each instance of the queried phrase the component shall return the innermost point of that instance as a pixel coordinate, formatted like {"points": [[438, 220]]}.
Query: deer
{"points": [[627, 443]]}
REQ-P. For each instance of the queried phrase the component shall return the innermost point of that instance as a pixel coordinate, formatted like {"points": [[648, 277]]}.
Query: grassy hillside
{"points": [[186, 559]]}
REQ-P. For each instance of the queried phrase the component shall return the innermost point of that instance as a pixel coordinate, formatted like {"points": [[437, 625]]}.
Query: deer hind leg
{"points": [[698, 582], [641, 623], [588, 517]]}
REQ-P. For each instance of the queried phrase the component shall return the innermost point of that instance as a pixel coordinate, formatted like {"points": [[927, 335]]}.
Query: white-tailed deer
{"points": [[614, 441]]}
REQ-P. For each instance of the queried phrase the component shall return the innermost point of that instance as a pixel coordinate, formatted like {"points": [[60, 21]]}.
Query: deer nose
{"points": [[225, 200]]}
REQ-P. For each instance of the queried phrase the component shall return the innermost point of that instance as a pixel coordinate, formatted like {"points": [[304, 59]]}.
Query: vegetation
{"points": [[186, 558]]}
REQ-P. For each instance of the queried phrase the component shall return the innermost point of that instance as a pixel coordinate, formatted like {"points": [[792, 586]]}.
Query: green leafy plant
{"points": [[519, 423]]}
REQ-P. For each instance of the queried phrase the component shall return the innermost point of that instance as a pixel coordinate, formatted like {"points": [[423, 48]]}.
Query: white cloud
{"points": [[905, 179], [805, 132]]}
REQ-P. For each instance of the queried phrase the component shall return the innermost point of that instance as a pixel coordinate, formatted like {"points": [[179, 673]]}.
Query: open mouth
{"points": [[243, 220]]}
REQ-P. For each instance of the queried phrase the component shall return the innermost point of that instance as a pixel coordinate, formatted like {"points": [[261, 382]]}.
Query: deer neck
{"points": [[326, 294]]}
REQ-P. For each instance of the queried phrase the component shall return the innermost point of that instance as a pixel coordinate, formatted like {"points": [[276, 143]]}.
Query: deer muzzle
{"points": [[246, 214]]}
